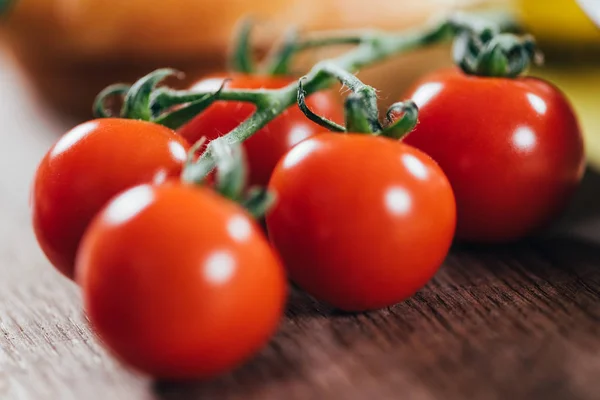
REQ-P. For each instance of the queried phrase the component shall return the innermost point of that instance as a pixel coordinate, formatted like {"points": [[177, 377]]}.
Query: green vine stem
{"points": [[372, 47], [241, 59], [358, 118], [318, 119], [259, 201], [230, 177], [278, 62]]}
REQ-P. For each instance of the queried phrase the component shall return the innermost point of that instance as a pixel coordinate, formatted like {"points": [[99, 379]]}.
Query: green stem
{"points": [[377, 47], [231, 169], [343, 39], [373, 47], [367, 93], [357, 116], [241, 57], [278, 63], [164, 98], [258, 202], [322, 121]]}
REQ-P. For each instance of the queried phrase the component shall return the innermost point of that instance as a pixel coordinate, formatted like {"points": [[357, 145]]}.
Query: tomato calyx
{"points": [[401, 118], [361, 111], [231, 173], [493, 54], [145, 101]]}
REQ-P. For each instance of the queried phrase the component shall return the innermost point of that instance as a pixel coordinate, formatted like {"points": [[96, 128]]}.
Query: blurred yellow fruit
{"points": [[580, 85], [559, 22]]}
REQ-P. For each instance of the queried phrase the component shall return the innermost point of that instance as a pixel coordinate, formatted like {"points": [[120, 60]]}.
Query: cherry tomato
{"points": [[361, 222], [511, 148], [86, 167], [267, 146], [179, 282]]}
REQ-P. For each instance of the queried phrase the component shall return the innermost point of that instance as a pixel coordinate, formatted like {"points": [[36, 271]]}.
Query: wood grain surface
{"points": [[513, 322]]}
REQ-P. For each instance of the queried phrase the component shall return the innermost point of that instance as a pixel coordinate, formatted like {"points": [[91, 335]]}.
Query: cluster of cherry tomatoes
{"points": [[181, 282]]}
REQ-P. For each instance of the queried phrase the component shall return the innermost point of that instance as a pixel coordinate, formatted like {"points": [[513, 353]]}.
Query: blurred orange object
{"points": [[73, 48]]}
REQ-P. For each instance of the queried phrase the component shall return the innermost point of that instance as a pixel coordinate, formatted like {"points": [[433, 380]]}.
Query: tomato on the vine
{"points": [[361, 222], [511, 148], [268, 145], [179, 282], [89, 165]]}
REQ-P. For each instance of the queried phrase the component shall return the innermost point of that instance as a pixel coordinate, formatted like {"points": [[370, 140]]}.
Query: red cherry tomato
{"points": [[179, 282], [86, 167], [361, 222], [267, 146], [511, 148]]}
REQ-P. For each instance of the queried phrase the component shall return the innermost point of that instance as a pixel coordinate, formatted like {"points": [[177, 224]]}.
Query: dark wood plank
{"points": [[517, 322]]}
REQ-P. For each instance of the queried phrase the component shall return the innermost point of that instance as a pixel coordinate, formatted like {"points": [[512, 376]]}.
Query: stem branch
{"points": [[375, 47]]}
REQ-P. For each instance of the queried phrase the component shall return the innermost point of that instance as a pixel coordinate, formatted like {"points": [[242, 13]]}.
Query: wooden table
{"points": [[514, 322]]}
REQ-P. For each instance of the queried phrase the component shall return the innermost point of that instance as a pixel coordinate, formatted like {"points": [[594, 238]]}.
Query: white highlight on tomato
{"points": [[219, 267], [208, 85], [239, 228], [298, 134], [72, 137], [129, 204], [415, 166], [160, 177], [300, 152], [537, 103], [524, 139], [398, 200], [426, 92], [177, 151]]}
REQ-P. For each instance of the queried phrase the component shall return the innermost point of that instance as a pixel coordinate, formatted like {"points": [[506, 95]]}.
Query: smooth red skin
{"points": [[268, 145], [339, 240], [147, 293], [503, 192], [107, 156]]}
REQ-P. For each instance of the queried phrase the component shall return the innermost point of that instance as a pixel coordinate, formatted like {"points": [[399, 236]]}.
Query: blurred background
{"points": [[66, 51], [56, 55]]}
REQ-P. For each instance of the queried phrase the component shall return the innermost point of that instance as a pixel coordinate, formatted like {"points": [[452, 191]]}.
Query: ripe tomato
{"points": [[511, 148], [361, 222], [267, 146], [86, 167], [179, 282]]}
